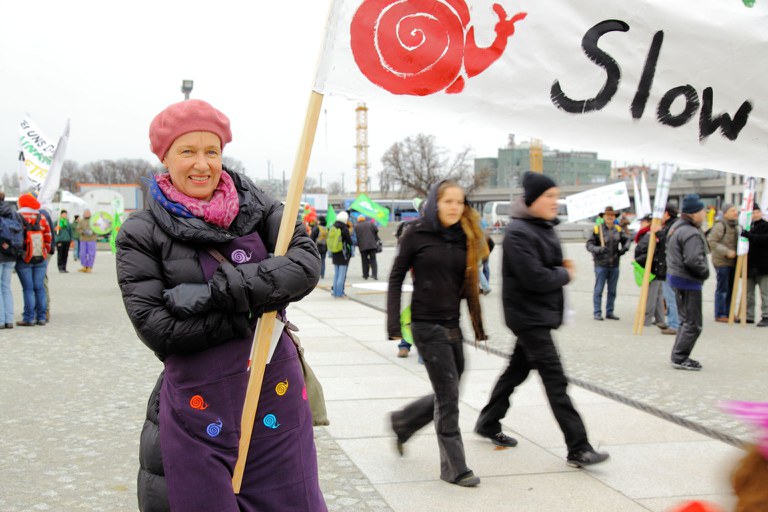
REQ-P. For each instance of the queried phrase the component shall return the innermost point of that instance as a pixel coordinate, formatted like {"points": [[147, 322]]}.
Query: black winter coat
{"points": [[367, 235], [532, 271], [687, 251], [616, 245], [757, 262], [659, 264], [438, 276], [157, 251]]}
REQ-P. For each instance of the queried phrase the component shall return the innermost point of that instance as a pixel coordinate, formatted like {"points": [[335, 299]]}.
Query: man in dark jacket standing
{"points": [[654, 306], [687, 269], [757, 266], [367, 241], [673, 322], [607, 244], [533, 275]]}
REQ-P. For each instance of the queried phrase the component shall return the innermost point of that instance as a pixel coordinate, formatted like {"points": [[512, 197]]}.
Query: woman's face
{"points": [[450, 206], [194, 163]]}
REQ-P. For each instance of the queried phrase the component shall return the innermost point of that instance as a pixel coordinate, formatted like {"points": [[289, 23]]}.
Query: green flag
{"points": [[364, 205], [330, 217], [117, 221], [640, 272], [405, 325]]}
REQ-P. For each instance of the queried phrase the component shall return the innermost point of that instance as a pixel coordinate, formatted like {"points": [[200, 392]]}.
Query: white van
{"points": [[496, 214]]}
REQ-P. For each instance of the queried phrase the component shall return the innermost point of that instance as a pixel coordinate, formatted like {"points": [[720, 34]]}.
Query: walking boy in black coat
{"points": [[533, 275]]}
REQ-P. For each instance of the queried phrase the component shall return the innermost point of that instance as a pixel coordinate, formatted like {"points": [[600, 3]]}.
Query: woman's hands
{"points": [[188, 299]]}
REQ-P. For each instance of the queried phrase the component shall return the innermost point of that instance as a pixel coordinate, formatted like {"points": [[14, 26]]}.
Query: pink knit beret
{"points": [[185, 117]]}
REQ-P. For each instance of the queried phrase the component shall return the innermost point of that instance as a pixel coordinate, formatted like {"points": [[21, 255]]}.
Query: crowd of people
{"points": [[29, 237]]}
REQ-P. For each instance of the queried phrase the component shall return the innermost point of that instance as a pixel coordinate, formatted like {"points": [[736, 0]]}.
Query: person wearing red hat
{"points": [[196, 274], [33, 262]]}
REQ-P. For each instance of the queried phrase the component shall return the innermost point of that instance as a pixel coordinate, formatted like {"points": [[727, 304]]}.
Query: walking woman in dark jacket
{"points": [[198, 316], [444, 249]]}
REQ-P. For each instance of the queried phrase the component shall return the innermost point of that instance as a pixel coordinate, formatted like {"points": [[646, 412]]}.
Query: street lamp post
{"points": [[186, 88]]}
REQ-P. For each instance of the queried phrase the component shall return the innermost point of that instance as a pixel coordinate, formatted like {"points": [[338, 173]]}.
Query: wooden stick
{"points": [[732, 310], [267, 320], [743, 302], [600, 230], [641, 305]]}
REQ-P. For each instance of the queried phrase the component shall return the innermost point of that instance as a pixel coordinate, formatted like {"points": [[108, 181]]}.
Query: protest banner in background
{"points": [[364, 205], [592, 202], [632, 79], [53, 179], [745, 214], [663, 184], [37, 150]]}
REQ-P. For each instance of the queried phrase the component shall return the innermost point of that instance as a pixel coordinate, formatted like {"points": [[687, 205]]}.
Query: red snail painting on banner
{"points": [[420, 47]]}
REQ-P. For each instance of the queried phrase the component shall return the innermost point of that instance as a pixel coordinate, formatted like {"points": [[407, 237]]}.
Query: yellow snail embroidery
{"points": [[281, 388]]}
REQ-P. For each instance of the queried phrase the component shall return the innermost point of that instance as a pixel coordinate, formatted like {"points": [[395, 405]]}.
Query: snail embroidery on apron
{"points": [[197, 402], [270, 421], [281, 388], [214, 429]]}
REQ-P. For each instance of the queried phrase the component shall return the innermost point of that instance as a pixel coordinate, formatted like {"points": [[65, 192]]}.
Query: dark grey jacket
{"points": [[616, 245], [157, 251], [532, 271], [367, 235], [687, 251]]}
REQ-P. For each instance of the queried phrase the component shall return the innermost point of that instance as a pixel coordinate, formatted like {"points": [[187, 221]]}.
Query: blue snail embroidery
{"points": [[214, 429], [270, 421]]}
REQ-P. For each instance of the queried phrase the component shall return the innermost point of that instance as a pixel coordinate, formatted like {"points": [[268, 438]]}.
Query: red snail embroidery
{"points": [[197, 402], [420, 47]]}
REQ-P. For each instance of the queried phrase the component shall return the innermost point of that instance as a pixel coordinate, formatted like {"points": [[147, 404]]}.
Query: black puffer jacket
{"points": [[532, 271], [757, 263], [687, 251], [157, 251]]}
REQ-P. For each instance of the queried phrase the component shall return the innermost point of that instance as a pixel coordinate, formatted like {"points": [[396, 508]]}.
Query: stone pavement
{"points": [[74, 394], [607, 357]]}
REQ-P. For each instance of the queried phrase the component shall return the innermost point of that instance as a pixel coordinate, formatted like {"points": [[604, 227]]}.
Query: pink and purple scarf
{"points": [[220, 211]]}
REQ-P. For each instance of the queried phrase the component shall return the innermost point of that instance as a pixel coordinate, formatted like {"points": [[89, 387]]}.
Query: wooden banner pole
{"points": [[743, 302], [734, 295], [267, 321], [642, 303]]}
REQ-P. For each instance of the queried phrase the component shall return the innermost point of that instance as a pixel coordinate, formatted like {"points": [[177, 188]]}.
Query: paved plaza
{"points": [[75, 391]]}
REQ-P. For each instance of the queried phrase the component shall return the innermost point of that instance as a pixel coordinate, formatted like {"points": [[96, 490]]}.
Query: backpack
{"points": [[12, 234], [334, 240], [322, 235], [34, 242]]}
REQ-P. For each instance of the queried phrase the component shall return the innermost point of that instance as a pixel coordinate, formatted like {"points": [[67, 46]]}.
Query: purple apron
{"points": [[201, 401]]}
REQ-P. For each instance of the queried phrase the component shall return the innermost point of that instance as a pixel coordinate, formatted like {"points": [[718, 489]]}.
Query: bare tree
{"points": [[334, 188], [414, 164]]}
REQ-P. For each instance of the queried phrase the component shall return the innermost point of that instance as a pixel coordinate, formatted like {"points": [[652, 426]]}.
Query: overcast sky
{"points": [[112, 66]]}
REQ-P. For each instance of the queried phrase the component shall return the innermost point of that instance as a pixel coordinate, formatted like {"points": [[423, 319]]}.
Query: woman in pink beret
{"points": [[199, 315]]}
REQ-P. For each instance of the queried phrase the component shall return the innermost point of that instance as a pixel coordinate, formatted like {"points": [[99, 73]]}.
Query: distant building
{"points": [[565, 167]]}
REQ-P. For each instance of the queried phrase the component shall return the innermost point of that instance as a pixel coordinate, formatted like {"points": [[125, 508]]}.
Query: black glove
{"points": [[746, 234], [228, 290], [188, 299], [241, 326]]}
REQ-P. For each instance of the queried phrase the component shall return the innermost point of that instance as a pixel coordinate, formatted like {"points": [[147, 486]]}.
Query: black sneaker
{"points": [[763, 322], [584, 458], [399, 441], [598, 317], [689, 364], [611, 316], [468, 480], [501, 439]]}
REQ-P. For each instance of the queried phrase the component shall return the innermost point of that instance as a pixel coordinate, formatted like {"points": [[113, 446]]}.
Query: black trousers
{"points": [[62, 249], [368, 257], [689, 311], [535, 350], [443, 353]]}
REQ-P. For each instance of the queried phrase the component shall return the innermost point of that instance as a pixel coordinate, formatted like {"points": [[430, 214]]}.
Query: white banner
{"points": [[591, 202], [635, 80], [53, 179], [663, 183], [745, 215], [38, 150]]}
